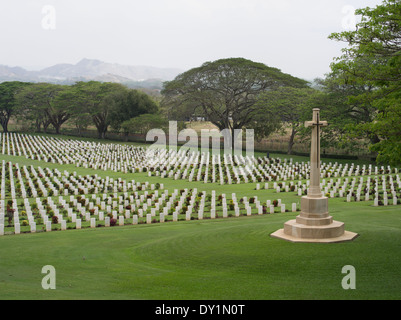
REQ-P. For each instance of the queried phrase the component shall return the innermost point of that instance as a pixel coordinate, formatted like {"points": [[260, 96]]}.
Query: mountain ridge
{"points": [[87, 70]]}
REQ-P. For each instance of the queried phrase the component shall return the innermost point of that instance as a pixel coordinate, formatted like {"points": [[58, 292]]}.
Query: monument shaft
{"points": [[314, 186]]}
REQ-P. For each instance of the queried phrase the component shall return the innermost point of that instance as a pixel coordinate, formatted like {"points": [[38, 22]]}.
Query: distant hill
{"points": [[89, 69]]}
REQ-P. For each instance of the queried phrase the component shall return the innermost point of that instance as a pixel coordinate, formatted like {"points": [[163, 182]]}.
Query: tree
{"points": [[289, 107], [226, 91], [8, 91], [348, 116], [373, 58], [129, 104], [96, 99], [40, 100], [143, 123], [81, 121]]}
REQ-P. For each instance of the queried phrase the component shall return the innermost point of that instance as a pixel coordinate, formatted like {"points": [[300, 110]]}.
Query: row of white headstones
{"points": [[181, 164], [344, 188], [115, 157], [192, 166], [134, 206], [63, 183]]}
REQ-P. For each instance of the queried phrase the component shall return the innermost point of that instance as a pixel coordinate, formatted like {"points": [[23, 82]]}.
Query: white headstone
{"points": [[17, 228], [248, 211]]}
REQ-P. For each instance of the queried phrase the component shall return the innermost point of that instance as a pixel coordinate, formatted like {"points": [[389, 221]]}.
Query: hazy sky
{"points": [[287, 34]]}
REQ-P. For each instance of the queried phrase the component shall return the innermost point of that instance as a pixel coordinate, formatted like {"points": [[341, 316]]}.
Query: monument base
{"points": [[314, 224], [346, 236]]}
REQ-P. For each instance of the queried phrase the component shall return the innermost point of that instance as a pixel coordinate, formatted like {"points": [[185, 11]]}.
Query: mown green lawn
{"points": [[232, 258]]}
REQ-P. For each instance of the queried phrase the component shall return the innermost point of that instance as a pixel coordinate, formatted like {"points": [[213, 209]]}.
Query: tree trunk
{"points": [[45, 126], [38, 125], [57, 128], [4, 119], [5, 126], [102, 132], [291, 142]]}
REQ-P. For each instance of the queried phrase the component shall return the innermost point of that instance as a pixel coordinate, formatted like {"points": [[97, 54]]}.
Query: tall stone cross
{"points": [[314, 187], [314, 224]]}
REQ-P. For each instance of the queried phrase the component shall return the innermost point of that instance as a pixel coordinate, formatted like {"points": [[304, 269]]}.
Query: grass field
{"points": [[232, 258]]}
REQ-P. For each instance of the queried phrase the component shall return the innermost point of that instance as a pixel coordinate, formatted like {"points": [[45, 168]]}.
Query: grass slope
{"points": [[233, 258]]}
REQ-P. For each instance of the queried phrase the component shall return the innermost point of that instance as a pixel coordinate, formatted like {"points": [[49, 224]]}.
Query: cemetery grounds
{"points": [[116, 225]]}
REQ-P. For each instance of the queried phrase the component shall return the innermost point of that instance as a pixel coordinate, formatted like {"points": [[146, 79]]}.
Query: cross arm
{"points": [[312, 123]]}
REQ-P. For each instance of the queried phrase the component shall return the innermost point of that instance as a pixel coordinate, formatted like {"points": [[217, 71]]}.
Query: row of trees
{"points": [[103, 105], [361, 97]]}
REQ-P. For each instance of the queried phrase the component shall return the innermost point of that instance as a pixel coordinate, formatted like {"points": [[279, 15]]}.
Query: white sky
{"points": [[287, 34]]}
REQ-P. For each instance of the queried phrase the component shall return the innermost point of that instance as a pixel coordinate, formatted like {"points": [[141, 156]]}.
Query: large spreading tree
{"points": [[373, 60], [8, 103], [226, 91], [39, 102], [96, 99]]}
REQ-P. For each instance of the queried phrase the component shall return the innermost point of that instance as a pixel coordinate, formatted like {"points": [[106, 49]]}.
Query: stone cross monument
{"points": [[314, 224]]}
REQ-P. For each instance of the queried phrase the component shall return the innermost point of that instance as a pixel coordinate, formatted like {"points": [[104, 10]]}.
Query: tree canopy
{"points": [[373, 59], [39, 100], [129, 104], [82, 104], [95, 98], [143, 123], [226, 90], [8, 103]]}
